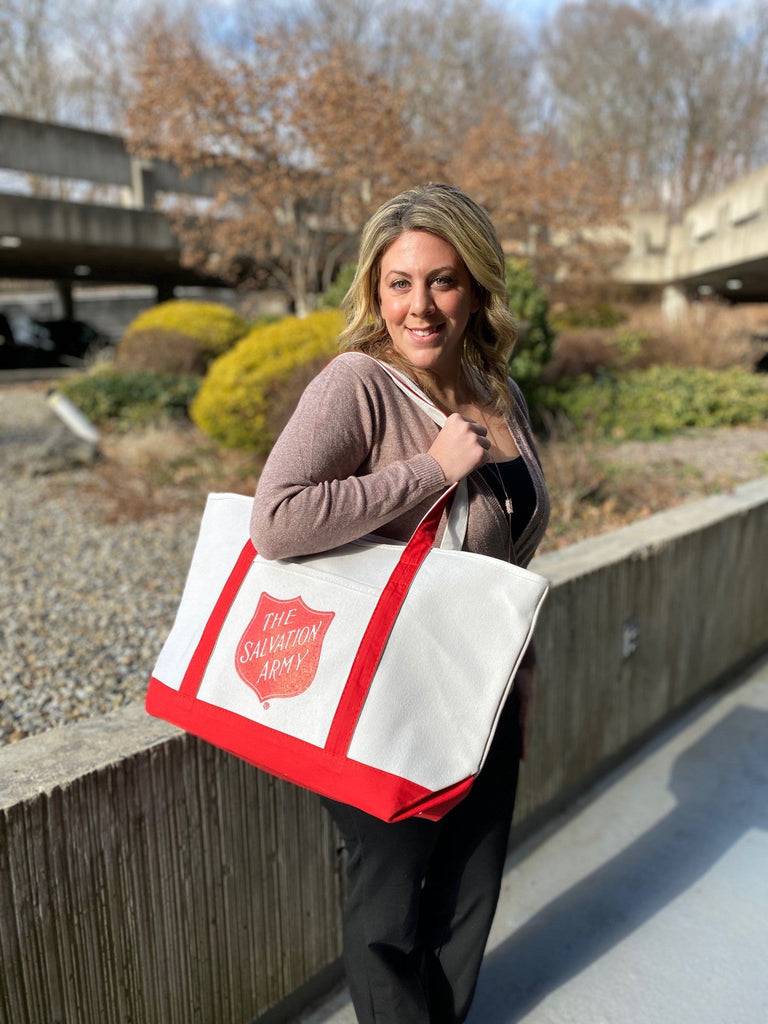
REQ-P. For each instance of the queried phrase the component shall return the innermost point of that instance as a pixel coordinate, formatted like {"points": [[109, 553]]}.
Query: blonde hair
{"points": [[449, 213]]}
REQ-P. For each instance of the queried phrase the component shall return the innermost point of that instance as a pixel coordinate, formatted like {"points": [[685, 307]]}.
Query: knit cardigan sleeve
{"points": [[330, 477]]}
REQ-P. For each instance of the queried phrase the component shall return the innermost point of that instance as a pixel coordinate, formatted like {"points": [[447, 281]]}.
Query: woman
{"points": [[359, 457]]}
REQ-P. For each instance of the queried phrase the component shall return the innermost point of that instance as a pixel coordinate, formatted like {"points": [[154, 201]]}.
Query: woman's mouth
{"points": [[424, 333]]}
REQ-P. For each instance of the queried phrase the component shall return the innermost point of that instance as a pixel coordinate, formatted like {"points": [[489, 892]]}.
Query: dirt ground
{"points": [[594, 487], [600, 486]]}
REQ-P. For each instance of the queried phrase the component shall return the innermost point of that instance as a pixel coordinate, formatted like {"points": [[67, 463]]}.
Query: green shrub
{"points": [[628, 346], [659, 400], [107, 395], [332, 297], [601, 315], [529, 305], [153, 340], [250, 392]]}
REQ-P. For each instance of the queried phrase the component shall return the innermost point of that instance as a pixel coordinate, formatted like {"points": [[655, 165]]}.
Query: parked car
{"points": [[25, 341]]}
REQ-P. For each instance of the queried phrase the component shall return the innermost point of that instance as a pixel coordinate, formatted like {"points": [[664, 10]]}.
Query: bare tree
{"points": [[453, 67], [548, 208], [446, 65], [303, 142], [609, 64], [720, 102], [675, 95], [29, 59]]}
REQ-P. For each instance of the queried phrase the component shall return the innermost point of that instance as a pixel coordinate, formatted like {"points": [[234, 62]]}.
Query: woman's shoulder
{"points": [[518, 399], [353, 371], [356, 364]]}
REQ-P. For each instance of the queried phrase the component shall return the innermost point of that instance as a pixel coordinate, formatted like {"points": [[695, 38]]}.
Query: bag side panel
{"points": [[224, 530], [286, 669], [448, 668]]}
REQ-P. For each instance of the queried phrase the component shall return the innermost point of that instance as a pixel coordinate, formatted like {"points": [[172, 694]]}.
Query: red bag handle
{"points": [[380, 626]]}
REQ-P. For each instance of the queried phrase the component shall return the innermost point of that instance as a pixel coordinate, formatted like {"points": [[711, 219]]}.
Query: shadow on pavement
{"points": [[720, 783]]}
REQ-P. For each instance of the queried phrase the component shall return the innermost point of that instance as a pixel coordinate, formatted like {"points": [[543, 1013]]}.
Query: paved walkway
{"points": [[648, 902]]}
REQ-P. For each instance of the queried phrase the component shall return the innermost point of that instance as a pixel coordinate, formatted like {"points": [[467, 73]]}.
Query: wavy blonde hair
{"points": [[449, 213]]}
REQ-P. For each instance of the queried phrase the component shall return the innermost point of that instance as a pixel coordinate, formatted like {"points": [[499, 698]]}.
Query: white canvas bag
{"points": [[374, 673]]}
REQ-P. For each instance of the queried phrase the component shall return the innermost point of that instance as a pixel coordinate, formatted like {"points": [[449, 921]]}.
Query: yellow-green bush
{"points": [[180, 336], [251, 391], [658, 401]]}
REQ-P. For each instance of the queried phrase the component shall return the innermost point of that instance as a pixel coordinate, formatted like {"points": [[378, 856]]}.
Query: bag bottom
{"points": [[385, 796]]}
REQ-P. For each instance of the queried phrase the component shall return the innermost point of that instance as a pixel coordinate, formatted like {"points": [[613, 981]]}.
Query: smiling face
{"points": [[426, 298]]}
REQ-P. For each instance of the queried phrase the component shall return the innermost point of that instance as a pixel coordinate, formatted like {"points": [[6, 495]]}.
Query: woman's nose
{"points": [[421, 300]]}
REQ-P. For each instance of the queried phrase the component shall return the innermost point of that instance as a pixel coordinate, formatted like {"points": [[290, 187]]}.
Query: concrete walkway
{"points": [[647, 903]]}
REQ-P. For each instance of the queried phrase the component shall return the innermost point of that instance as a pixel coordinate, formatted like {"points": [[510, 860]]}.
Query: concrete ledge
{"points": [[646, 536], [53, 759]]}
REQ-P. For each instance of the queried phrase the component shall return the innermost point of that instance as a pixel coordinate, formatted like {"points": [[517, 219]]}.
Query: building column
{"points": [[674, 304], [165, 291], [64, 291]]}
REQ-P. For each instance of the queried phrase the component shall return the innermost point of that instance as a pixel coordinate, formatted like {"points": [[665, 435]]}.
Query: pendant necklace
{"points": [[509, 507]]}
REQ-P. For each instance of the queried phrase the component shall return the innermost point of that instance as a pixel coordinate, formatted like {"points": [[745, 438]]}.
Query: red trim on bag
{"points": [[378, 630], [326, 770], [197, 664], [377, 792]]}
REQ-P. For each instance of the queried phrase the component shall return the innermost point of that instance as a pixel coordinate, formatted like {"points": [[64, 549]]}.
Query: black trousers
{"points": [[421, 896]]}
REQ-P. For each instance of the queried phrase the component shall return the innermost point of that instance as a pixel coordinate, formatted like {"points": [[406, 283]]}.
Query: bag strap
{"points": [[456, 526], [380, 626]]}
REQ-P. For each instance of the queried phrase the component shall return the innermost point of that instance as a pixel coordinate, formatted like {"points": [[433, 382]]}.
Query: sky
{"points": [[530, 12]]}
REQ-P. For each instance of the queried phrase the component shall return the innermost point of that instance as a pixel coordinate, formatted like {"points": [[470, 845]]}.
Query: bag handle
{"points": [[380, 626], [456, 526]]}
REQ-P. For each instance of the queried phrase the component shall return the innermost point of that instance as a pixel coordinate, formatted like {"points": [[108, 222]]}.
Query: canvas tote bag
{"points": [[373, 674]]}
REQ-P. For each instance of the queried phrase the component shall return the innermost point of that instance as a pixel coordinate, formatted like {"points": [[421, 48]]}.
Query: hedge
{"points": [[108, 396], [250, 392], [180, 336], [659, 400]]}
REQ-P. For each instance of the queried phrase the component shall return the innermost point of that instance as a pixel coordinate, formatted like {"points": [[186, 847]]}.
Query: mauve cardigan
{"points": [[353, 460]]}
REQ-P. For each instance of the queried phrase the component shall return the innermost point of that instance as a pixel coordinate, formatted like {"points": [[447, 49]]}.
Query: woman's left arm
{"points": [[314, 493]]}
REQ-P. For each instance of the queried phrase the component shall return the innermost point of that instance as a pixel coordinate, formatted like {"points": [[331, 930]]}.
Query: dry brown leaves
{"points": [[595, 487]]}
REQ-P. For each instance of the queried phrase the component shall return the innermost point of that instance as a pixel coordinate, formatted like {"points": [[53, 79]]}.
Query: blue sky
{"points": [[530, 12]]}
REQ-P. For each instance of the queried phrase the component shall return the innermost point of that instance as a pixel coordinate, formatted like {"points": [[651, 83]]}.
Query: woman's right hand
{"points": [[461, 446]]}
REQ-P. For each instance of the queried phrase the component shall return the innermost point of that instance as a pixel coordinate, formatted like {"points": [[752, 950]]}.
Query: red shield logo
{"points": [[279, 652]]}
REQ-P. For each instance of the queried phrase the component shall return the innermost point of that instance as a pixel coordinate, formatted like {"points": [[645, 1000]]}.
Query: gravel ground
{"points": [[739, 451], [85, 606]]}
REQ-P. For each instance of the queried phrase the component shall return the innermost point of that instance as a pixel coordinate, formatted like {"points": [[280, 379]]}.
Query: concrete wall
{"points": [[145, 876], [722, 235], [49, 221], [54, 150]]}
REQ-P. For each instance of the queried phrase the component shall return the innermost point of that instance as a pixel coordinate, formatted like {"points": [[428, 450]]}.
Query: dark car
{"points": [[27, 342]]}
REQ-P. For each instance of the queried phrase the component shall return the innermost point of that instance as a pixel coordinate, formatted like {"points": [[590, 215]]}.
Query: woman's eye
{"points": [[398, 285], [443, 282]]}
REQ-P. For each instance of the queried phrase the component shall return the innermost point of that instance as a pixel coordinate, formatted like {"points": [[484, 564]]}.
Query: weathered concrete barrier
{"points": [[147, 877], [638, 623]]}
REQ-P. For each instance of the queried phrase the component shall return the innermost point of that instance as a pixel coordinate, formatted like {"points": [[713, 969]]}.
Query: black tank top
{"points": [[518, 485]]}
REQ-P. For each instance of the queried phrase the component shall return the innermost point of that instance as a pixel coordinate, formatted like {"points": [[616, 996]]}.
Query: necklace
{"points": [[508, 505]]}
